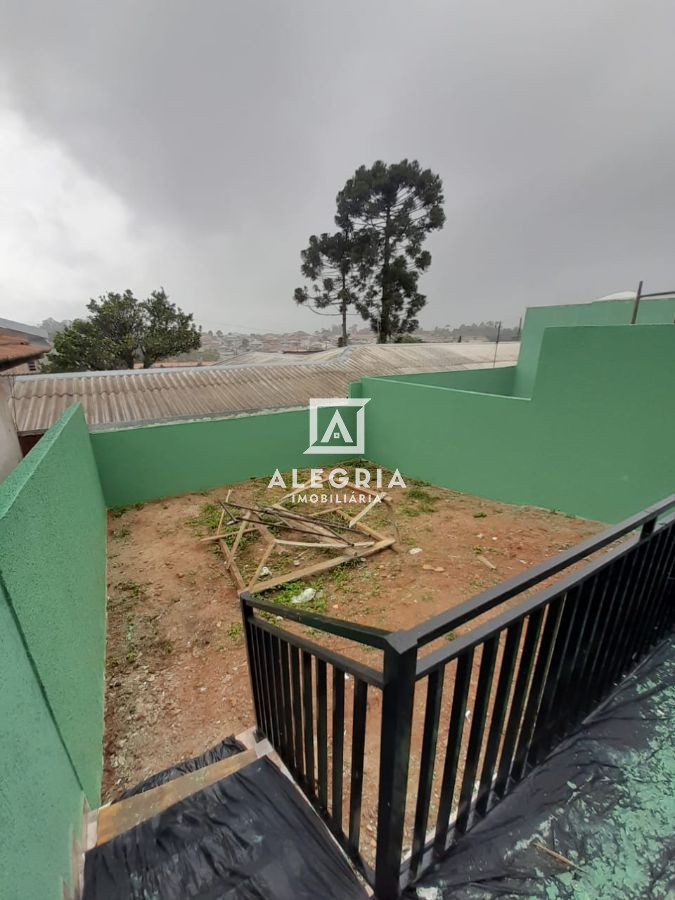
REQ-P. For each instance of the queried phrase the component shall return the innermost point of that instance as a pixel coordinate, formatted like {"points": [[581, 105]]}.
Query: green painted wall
{"points": [[137, 464], [597, 439], [40, 796], [600, 312], [52, 608]]}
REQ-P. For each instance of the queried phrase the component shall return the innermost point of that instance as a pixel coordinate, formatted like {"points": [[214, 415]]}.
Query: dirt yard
{"points": [[177, 680]]}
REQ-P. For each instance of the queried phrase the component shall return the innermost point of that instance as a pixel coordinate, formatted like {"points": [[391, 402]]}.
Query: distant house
{"points": [[21, 346]]}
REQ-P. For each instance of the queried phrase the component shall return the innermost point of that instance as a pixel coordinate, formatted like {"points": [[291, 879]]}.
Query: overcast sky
{"points": [[197, 145]]}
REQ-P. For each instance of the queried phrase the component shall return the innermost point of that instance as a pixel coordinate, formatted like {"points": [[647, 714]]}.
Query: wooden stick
{"points": [[322, 545], [263, 560], [366, 529], [366, 509], [224, 534], [242, 526], [319, 567], [232, 566], [558, 856]]}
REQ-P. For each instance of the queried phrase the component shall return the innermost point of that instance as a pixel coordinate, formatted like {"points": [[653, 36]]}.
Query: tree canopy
{"points": [[329, 263], [122, 331], [374, 261], [395, 206]]}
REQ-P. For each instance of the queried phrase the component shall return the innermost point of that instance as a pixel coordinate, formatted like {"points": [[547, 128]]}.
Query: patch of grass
{"points": [[480, 515], [120, 534], [139, 505], [133, 588], [117, 512], [235, 631], [285, 594], [418, 493], [450, 636], [478, 549], [418, 500], [207, 517]]}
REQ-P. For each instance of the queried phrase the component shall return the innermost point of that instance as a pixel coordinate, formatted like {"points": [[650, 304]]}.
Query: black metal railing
{"points": [[490, 704]]}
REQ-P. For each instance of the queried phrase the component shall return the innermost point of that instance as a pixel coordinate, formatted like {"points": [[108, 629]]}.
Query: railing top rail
{"points": [[362, 634], [438, 625], [441, 657], [350, 666]]}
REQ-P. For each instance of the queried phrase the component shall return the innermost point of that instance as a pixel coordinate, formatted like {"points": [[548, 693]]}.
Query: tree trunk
{"points": [[384, 325], [343, 310]]}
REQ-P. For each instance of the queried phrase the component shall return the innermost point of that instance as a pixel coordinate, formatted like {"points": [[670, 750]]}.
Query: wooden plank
{"points": [[324, 545], [242, 526], [366, 509], [232, 567], [308, 524], [223, 534], [120, 817], [363, 527], [322, 566]]}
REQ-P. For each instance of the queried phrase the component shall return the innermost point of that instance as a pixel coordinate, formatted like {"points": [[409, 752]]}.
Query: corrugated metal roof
{"points": [[143, 396]]}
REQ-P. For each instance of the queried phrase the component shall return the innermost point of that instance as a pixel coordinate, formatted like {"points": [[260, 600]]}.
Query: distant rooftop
{"points": [[20, 343], [252, 382]]}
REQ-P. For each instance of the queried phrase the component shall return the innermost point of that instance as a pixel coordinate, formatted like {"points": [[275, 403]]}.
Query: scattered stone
{"points": [[264, 571], [486, 562], [414, 551]]}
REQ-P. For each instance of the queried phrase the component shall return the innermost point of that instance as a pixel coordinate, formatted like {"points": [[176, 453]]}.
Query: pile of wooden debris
{"points": [[330, 531]]}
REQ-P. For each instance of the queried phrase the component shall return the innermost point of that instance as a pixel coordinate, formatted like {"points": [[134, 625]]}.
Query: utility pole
{"points": [[499, 331], [636, 305]]}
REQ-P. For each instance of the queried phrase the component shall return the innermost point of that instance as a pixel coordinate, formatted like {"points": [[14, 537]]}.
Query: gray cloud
{"points": [[224, 131]]}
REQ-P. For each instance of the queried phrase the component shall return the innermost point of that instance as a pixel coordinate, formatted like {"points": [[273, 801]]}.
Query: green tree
{"points": [[121, 331], [391, 208], [328, 263]]}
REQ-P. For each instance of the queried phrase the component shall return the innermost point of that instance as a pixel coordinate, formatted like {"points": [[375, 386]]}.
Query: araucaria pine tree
{"points": [[329, 264], [391, 208]]}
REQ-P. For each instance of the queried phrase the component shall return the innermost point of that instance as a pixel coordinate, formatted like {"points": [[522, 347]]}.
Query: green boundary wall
{"points": [[596, 439], [137, 464], [52, 657], [600, 312]]}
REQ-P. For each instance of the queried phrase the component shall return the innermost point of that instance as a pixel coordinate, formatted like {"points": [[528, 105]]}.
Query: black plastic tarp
{"points": [[250, 836], [604, 799], [229, 746]]}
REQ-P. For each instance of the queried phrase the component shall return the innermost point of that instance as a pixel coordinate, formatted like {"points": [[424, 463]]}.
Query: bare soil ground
{"points": [[176, 674]]}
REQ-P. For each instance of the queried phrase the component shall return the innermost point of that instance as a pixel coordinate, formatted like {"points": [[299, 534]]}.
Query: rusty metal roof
{"points": [[132, 397]]}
